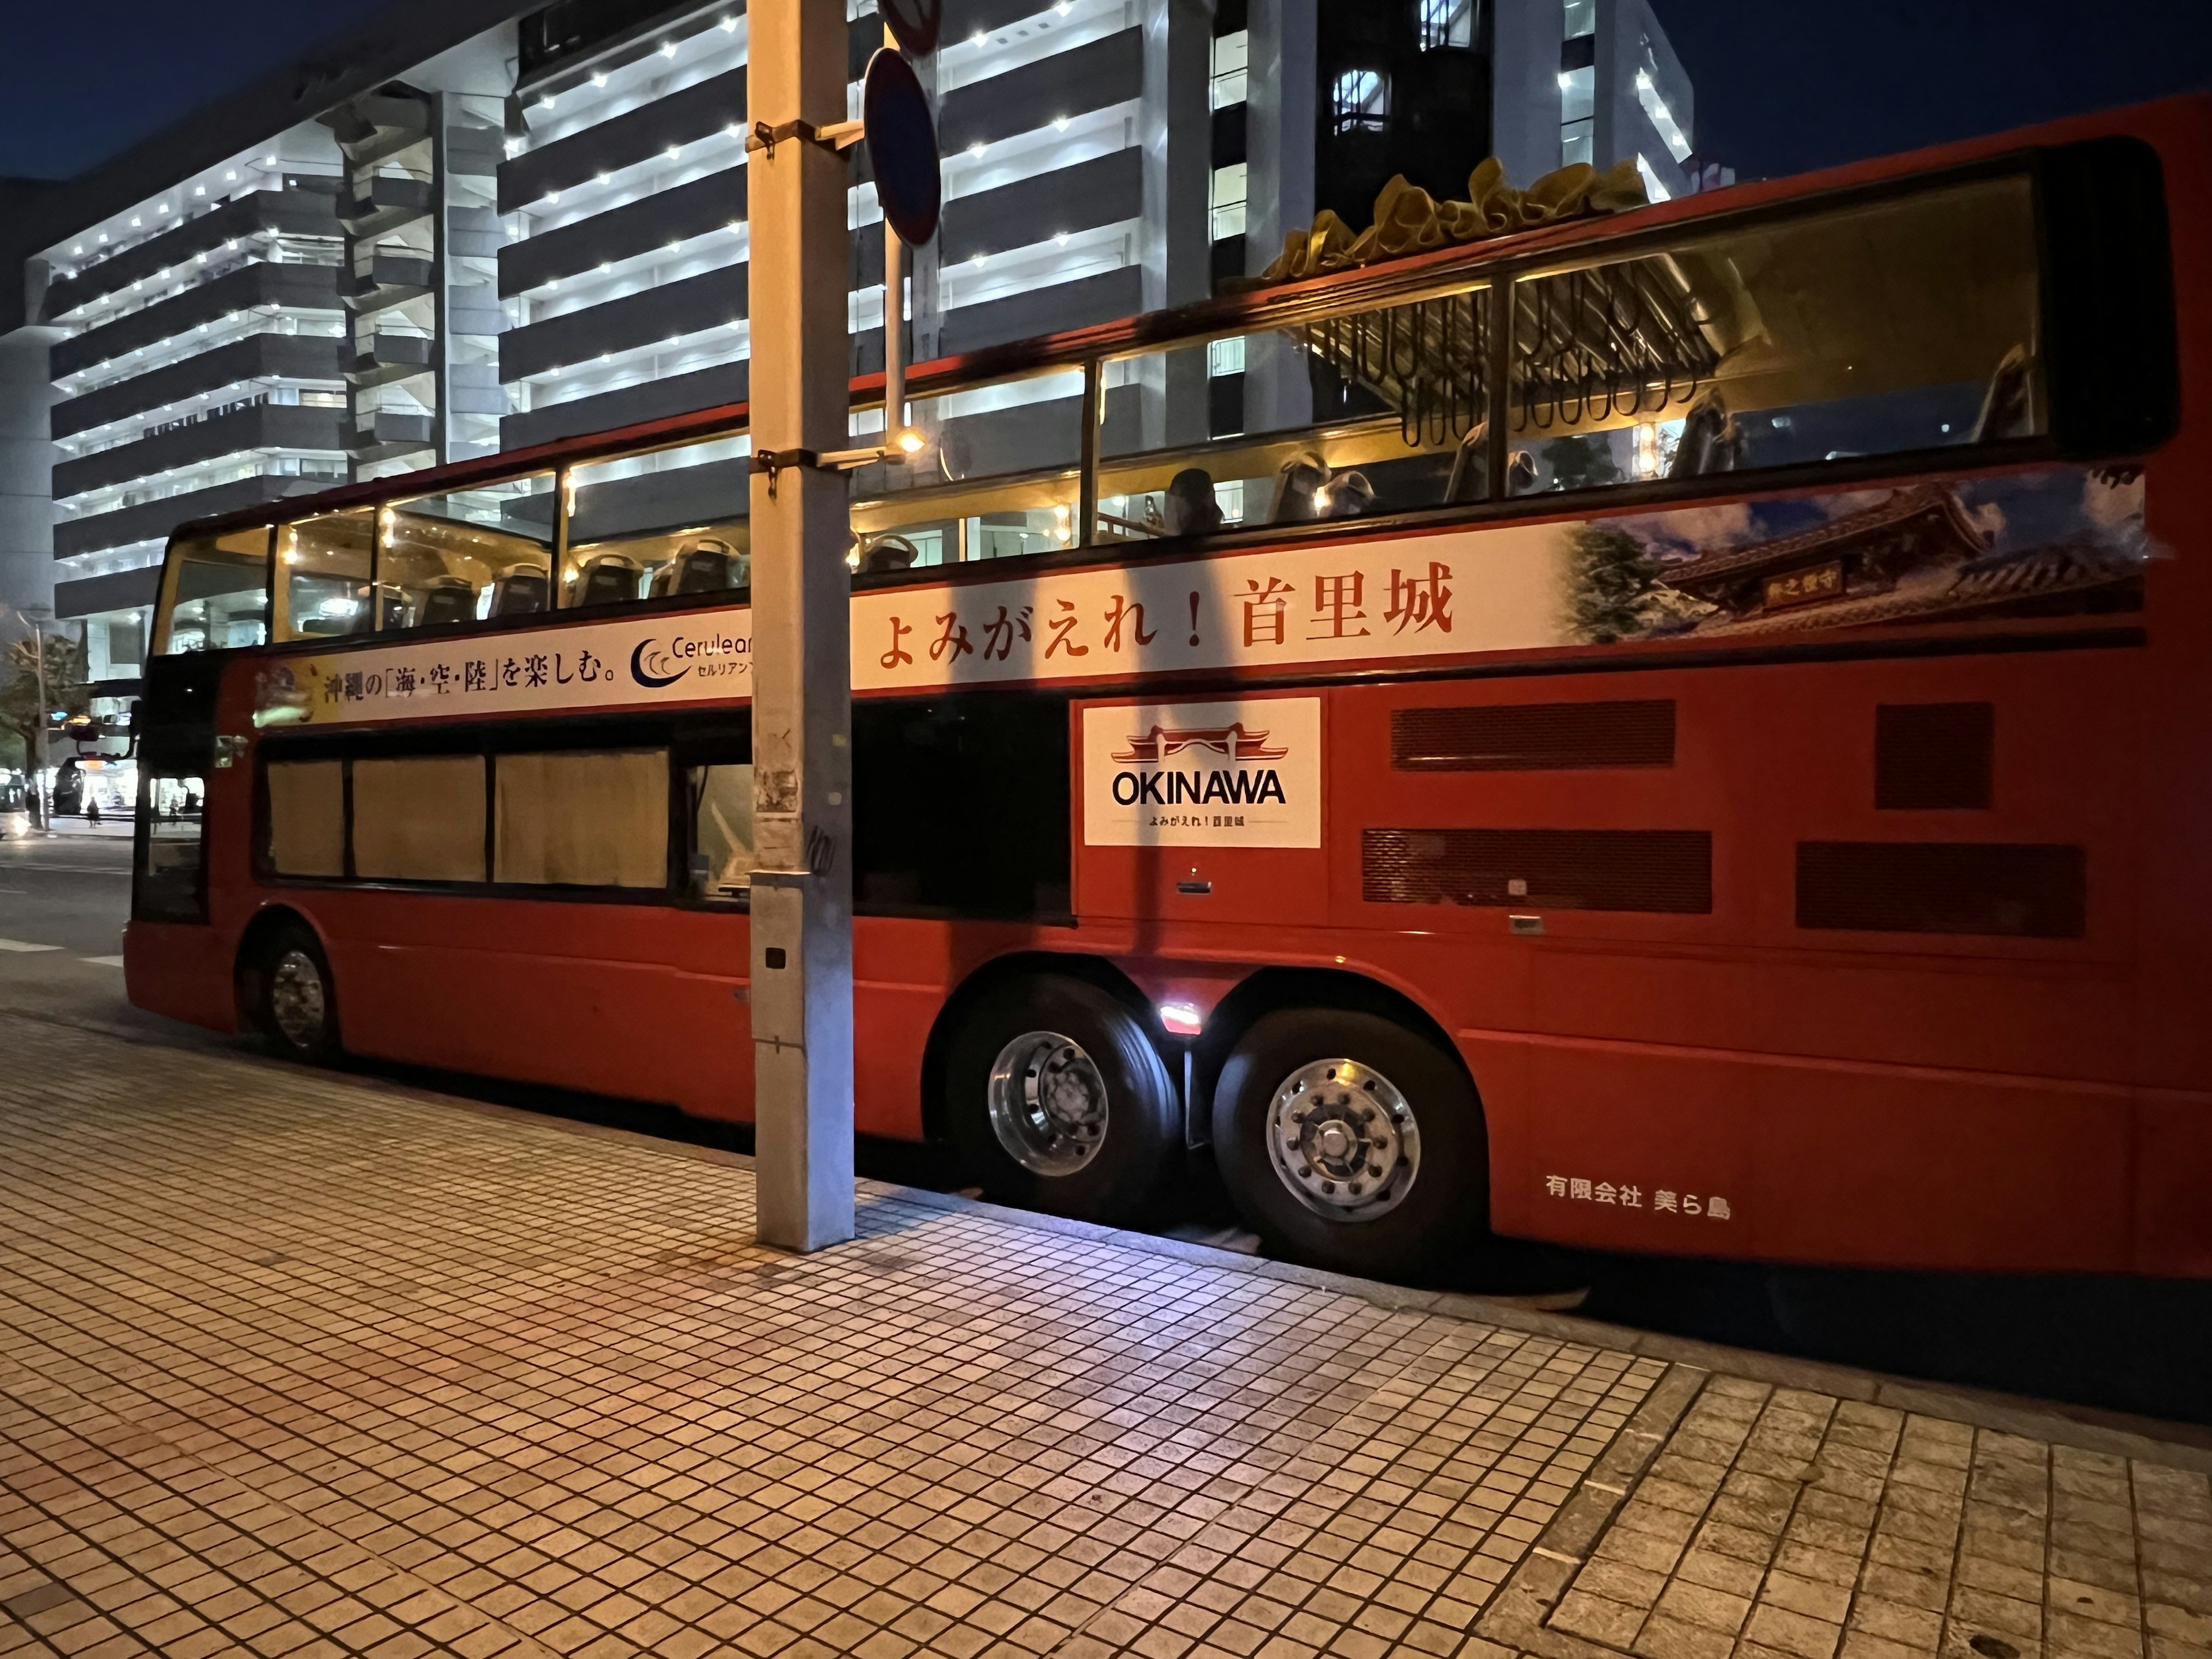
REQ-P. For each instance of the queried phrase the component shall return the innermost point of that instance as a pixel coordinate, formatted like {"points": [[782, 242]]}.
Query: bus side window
{"points": [[306, 818], [581, 819], [960, 807], [721, 801], [419, 818], [1884, 329]]}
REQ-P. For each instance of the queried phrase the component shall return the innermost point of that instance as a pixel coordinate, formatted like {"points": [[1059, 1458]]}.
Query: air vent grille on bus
{"points": [[1942, 887], [1655, 869], [1533, 736], [1933, 755]]}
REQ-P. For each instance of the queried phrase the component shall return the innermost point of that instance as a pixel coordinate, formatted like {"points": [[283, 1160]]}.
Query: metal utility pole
{"points": [[802, 891]]}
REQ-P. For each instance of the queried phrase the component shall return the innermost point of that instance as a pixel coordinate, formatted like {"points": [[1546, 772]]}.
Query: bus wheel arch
{"points": [[1044, 1074], [1346, 1124], [286, 992]]}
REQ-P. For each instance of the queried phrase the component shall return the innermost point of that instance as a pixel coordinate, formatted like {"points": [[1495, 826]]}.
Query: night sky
{"points": [[1782, 85]]}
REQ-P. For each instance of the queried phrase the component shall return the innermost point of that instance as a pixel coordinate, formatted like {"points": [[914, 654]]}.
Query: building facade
{"points": [[478, 226]]}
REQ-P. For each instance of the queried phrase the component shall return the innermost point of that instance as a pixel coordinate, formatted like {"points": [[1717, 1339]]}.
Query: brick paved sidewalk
{"points": [[304, 1365]]}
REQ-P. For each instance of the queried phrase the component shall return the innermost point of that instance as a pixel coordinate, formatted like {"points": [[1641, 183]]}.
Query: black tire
{"points": [[1115, 1176], [288, 972], [1440, 1212]]}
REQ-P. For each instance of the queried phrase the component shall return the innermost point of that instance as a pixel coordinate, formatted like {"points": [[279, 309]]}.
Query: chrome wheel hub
{"points": [[1048, 1103], [1343, 1139], [296, 1001]]}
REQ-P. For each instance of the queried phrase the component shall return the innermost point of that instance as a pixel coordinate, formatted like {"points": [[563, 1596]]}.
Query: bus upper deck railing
{"points": [[1805, 334]]}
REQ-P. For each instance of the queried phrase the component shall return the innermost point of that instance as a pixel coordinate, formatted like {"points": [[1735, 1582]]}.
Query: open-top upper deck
{"points": [[1994, 304]]}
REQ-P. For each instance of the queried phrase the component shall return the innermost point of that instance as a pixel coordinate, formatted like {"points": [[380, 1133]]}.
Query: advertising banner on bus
{"points": [[2048, 543]]}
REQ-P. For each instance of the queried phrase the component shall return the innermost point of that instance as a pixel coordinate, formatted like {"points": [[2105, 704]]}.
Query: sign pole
{"points": [[802, 890], [894, 319]]}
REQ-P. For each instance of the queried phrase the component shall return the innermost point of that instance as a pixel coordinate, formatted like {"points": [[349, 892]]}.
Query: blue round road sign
{"points": [[901, 147], [914, 24]]}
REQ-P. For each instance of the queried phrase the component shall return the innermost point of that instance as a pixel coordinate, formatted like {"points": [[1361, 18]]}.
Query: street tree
{"points": [[68, 691]]}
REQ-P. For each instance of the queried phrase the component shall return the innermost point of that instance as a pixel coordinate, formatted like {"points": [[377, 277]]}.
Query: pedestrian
{"points": [[92, 809]]}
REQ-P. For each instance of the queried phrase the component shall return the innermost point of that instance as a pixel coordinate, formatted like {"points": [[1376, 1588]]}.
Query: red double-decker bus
{"points": [[1686, 731]]}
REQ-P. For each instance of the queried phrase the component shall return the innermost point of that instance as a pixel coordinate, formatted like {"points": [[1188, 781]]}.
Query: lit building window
{"points": [[1360, 102], [1577, 95], [1446, 24], [1580, 18], [1663, 119], [1578, 112], [1227, 85], [1228, 201], [1652, 185], [1225, 357]]}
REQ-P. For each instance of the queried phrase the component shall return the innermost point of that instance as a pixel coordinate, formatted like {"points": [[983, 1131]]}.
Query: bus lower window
{"points": [[1902, 325], [419, 819], [582, 819], [306, 818], [722, 831]]}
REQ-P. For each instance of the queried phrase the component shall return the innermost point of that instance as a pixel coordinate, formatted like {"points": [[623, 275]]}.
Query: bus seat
{"points": [[445, 600], [518, 592], [1712, 441], [709, 567], [1300, 477], [610, 579], [2008, 404]]}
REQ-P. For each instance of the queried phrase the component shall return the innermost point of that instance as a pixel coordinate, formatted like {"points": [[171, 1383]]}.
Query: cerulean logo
{"points": [[646, 670]]}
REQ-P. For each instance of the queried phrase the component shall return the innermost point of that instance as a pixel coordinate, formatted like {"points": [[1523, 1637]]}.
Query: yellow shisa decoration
{"points": [[1408, 219]]}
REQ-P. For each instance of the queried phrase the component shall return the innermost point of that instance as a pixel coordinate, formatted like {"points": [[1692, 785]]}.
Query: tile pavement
{"points": [[295, 1364]]}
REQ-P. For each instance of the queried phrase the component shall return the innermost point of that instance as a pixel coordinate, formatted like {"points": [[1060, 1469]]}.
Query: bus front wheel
{"points": [[1058, 1101], [1351, 1143], [295, 1000]]}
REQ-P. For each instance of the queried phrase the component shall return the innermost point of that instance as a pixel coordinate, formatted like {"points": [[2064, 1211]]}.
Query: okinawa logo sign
{"points": [[1244, 774]]}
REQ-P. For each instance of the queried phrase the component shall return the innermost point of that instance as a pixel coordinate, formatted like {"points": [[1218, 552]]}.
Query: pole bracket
{"points": [[773, 461], [837, 137]]}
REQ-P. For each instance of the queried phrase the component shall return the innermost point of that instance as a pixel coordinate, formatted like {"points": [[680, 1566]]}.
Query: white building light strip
{"points": [[203, 337], [1663, 119], [132, 556], [1064, 142], [1047, 33], [1065, 258], [715, 48]]}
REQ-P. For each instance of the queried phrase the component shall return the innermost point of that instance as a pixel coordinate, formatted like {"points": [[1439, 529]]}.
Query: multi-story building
{"points": [[477, 226]]}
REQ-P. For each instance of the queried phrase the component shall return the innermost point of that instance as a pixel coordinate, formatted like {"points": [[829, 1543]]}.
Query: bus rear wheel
{"points": [[295, 1002], [1351, 1143], [1057, 1101]]}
